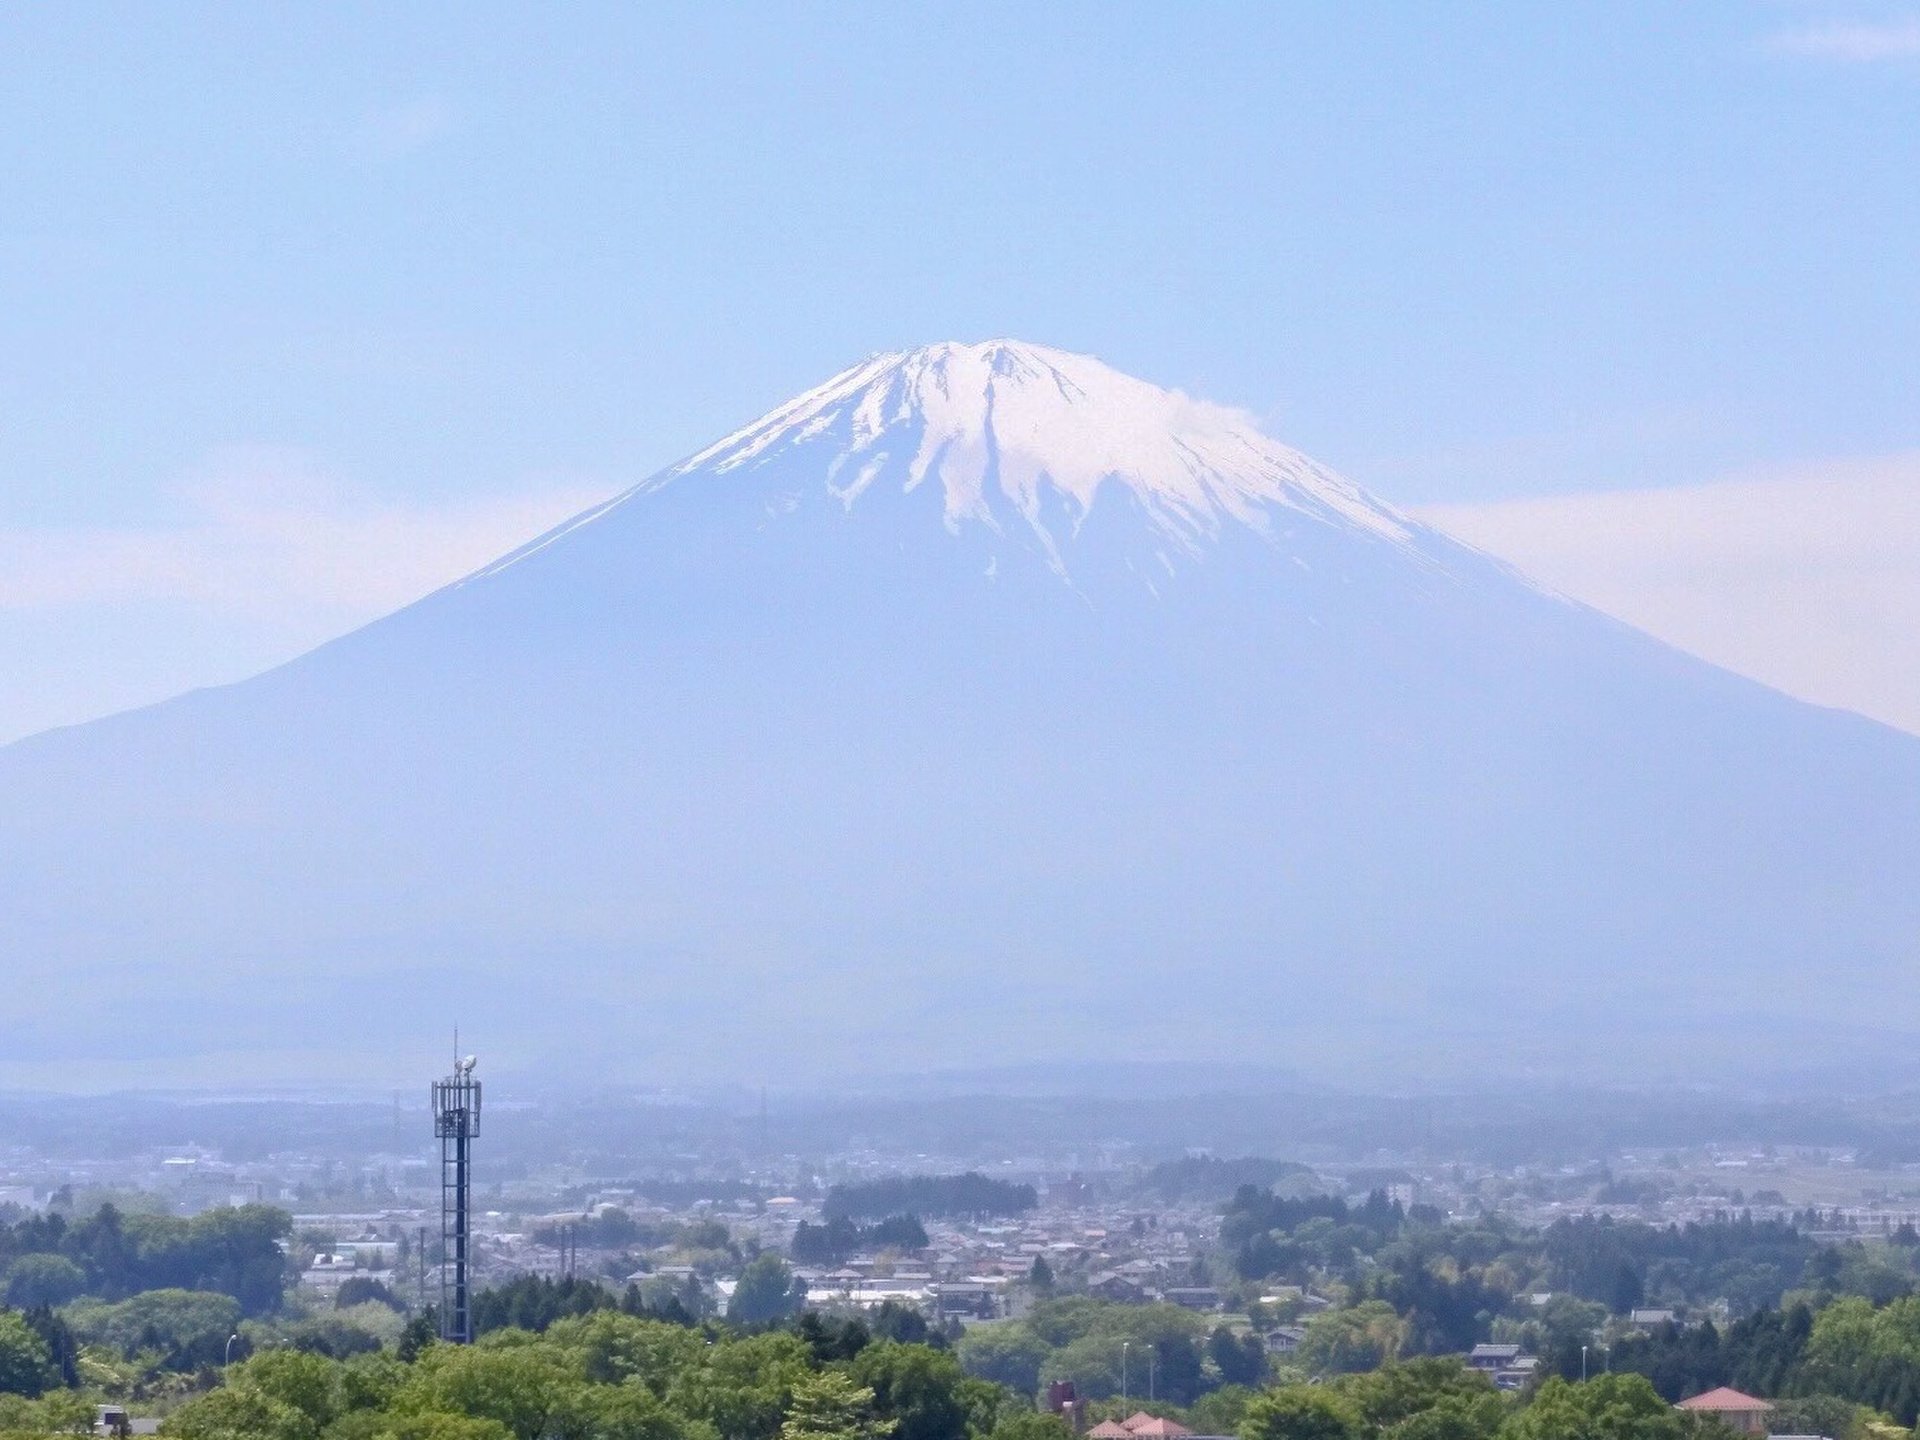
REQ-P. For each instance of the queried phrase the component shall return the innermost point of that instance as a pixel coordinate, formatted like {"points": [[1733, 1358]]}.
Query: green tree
{"points": [[25, 1364], [1174, 1369], [1819, 1415], [533, 1302], [369, 1382], [1363, 1337], [831, 1406], [307, 1382], [1095, 1366], [917, 1388], [898, 1232], [743, 1387], [1448, 1420], [1301, 1412], [1241, 1360], [628, 1411], [611, 1348], [1220, 1412], [1628, 1290], [827, 1244], [43, 1280], [1006, 1352], [236, 1251], [239, 1412], [1040, 1276], [63, 1347], [435, 1425], [518, 1385], [1400, 1391], [57, 1411], [896, 1321], [189, 1327], [767, 1291], [361, 1290], [1063, 1320], [1030, 1425], [1608, 1407]]}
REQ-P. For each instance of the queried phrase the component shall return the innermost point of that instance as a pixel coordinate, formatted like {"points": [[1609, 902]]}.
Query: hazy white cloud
{"points": [[1806, 577], [1857, 42], [266, 557], [265, 529]]}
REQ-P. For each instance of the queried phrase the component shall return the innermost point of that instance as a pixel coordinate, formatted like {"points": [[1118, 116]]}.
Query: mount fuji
{"points": [[980, 705]]}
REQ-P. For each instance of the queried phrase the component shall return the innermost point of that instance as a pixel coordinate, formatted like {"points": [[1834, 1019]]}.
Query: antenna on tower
{"points": [[456, 1120]]}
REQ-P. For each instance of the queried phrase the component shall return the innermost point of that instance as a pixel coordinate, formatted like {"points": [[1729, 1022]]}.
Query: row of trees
{"points": [[535, 1302], [48, 1260], [1273, 1235], [1107, 1349], [1441, 1400], [610, 1376], [841, 1237], [1621, 1265], [570, 1360], [1849, 1350], [616, 1229]]}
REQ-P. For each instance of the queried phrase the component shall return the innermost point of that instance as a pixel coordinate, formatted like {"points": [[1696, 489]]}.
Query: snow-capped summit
{"points": [[1021, 441], [1002, 422]]}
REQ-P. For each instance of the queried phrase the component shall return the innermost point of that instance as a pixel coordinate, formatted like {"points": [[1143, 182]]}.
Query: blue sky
{"points": [[300, 302]]}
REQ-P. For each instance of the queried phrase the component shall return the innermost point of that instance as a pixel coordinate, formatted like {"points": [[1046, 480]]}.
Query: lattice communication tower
{"points": [[456, 1120]]}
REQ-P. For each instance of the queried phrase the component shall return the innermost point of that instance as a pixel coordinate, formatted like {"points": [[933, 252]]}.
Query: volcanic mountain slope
{"points": [[982, 704]]}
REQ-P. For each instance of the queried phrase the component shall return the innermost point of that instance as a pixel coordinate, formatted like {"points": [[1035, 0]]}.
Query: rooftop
{"points": [[1725, 1398]]}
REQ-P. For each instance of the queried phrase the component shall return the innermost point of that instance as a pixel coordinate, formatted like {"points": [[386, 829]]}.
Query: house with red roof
{"points": [[1151, 1427], [1744, 1413]]}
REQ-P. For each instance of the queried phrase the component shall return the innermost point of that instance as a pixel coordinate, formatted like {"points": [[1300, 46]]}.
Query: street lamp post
{"points": [[228, 1360], [1123, 1368], [1583, 1364]]}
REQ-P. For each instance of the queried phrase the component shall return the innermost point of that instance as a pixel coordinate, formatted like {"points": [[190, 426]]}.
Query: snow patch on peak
{"points": [[1006, 424]]}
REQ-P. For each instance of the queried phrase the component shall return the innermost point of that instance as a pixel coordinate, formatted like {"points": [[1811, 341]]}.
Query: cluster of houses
{"points": [[980, 1269]]}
